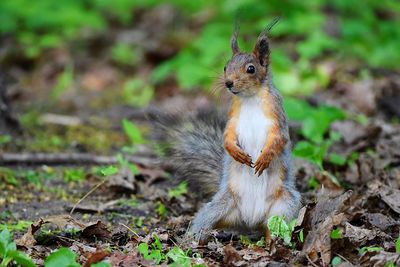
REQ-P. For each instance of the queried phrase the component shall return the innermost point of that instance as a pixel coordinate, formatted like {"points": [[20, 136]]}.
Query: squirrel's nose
{"points": [[229, 84]]}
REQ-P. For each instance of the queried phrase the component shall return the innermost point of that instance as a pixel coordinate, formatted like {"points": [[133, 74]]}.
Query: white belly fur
{"points": [[252, 129]]}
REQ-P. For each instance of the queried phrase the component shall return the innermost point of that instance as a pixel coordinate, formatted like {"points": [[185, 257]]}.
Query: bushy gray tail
{"points": [[194, 147]]}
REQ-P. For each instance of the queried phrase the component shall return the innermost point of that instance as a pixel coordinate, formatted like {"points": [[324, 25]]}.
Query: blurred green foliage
{"points": [[367, 31], [310, 35], [364, 31]]}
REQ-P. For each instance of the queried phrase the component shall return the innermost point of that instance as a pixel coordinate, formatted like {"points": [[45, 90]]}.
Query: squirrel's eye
{"points": [[224, 68], [251, 69]]}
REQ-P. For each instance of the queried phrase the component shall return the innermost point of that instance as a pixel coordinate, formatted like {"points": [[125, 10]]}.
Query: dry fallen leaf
{"points": [[61, 221], [326, 215], [231, 255], [124, 180], [98, 230], [389, 195], [358, 235], [96, 257]]}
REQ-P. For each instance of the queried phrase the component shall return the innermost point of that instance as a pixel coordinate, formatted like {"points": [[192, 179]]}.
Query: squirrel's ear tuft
{"points": [[234, 41], [261, 50]]}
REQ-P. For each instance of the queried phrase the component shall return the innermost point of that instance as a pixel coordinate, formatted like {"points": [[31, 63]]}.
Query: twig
{"points": [[87, 194], [69, 158], [310, 261], [127, 227], [60, 119], [343, 258]]}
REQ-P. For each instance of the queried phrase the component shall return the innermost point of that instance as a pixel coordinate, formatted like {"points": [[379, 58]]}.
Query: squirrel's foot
{"points": [[201, 237]]}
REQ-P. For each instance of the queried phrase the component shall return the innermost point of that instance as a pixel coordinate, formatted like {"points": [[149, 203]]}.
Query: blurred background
{"points": [[96, 60], [77, 76]]}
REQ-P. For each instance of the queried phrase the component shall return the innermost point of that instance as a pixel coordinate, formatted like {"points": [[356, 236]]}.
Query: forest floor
{"points": [[104, 208]]}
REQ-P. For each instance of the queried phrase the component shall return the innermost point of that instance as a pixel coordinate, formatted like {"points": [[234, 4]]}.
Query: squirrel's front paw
{"points": [[243, 158], [262, 163], [239, 155]]}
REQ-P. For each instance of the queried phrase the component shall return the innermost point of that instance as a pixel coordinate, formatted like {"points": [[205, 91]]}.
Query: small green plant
{"points": [[336, 261], [9, 252], [139, 222], [245, 240], [108, 170], [4, 139], [74, 175], [315, 125], [64, 82], [315, 153], [65, 257], [123, 162], [162, 210], [125, 54], [132, 202], [301, 235], [179, 257], [337, 233], [176, 256], [369, 249], [398, 245], [155, 252], [9, 176], [62, 257], [136, 92], [178, 191], [133, 132], [22, 225], [280, 228]]}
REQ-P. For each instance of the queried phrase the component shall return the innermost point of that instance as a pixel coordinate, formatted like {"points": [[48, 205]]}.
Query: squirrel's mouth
{"points": [[233, 91]]}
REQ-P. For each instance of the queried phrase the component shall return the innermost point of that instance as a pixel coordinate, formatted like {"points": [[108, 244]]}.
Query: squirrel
{"points": [[244, 161]]}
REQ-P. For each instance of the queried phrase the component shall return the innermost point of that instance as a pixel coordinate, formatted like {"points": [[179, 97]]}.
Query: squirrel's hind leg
{"points": [[287, 203], [211, 215]]}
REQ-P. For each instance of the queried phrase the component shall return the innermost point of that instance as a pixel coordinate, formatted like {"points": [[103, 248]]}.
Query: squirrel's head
{"points": [[245, 73]]}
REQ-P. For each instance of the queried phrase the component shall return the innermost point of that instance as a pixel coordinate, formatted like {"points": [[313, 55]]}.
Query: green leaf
{"points": [[5, 239], [64, 257], [162, 210], [261, 242], [245, 240], [143, 249], [369, 249], [301, 235], [157, 242], [336, 261], [337, 159], [179, 257], [398, 245], [137, 93], [311, 152], [155, 255], [133, 132], [178, 191], [4, 139], [336, 233], [279, 228], [21, 258], [109, 170]]}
